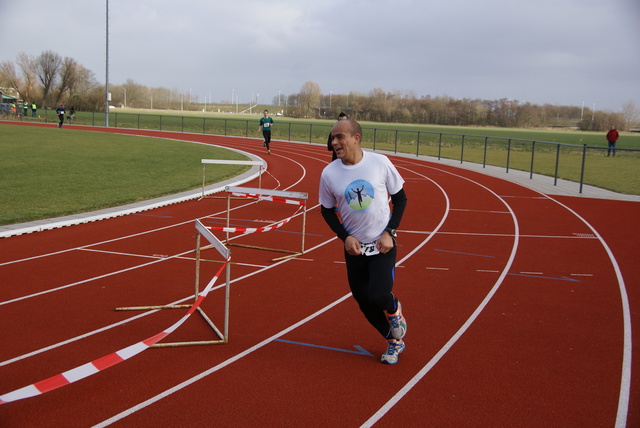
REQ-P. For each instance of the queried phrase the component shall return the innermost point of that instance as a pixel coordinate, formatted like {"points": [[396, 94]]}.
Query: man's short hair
{"points": [[354, 127]]}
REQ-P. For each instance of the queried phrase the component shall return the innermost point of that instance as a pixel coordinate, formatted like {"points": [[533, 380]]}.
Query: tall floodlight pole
{"points": [[106, 86]]}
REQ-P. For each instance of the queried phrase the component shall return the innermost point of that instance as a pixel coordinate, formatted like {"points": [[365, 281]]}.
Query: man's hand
{"points": [[352, 246], [385, 243]]}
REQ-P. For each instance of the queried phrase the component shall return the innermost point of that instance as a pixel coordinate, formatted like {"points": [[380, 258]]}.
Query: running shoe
{"points": [[394, 349], [397, 323]]}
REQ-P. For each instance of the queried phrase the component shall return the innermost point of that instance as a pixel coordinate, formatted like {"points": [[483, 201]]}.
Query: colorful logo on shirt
{"points": [[359, 194]]}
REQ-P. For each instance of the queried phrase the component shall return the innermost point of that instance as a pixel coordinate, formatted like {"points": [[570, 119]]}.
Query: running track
{"points": [[522, 311]]}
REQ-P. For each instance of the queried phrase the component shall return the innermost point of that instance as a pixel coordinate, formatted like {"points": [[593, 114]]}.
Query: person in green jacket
{"points": [[265, 126]]}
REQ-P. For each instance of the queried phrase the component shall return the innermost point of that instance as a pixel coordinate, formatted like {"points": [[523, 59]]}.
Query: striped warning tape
{"points": [[248, 230], [107, 361], [268, 198]]}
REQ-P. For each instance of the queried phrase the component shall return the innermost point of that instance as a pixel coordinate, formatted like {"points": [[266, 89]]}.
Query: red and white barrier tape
{"points": [[268, 198], [105, 362], [255, 229]]}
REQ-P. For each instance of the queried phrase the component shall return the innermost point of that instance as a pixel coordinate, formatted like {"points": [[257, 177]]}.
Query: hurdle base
{"points": [[221, 338], [276, 250]]}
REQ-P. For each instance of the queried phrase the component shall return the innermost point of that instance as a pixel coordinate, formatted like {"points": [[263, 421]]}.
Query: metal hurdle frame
{"points": [[205, 162], [223, 337], [278, 194]]}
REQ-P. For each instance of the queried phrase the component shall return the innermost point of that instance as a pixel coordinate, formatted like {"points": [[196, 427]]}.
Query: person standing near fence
{"points": [[612, 138], [60, 111], [265, 126], [360, 183], [341, 116], [34, 107]]}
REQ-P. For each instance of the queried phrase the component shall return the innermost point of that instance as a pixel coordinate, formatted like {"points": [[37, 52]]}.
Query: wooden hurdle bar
{"points": [[223, 336], [205, 162], [272, 193]]}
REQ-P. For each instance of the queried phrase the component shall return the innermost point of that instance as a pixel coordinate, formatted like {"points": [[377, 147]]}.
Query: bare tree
{"points": [[67, 79], [29, 84], [47, 66], [631, 113], [309, 98], [8, 76]]}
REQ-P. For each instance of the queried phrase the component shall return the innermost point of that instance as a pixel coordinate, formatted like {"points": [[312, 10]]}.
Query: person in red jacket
{"points": [[612, 137]]}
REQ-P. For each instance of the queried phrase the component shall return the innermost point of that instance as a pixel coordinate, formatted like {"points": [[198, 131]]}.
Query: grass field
{"points": [[506, 148], [49, 172]]}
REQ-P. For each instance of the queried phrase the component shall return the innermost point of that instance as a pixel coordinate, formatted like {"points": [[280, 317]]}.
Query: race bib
{"points": [[369, 248], [266, 125]]}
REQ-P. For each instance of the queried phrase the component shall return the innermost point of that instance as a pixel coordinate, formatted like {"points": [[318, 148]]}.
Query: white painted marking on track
{"points": [[427, 368]]}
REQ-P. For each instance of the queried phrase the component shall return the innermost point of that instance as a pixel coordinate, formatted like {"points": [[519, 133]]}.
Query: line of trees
{"points": [[381, 106], [49, 80]]}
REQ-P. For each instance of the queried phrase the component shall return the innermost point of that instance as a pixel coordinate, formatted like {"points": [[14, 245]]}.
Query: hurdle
{"points": [[222, 336], [206, 162], [268, 195]]}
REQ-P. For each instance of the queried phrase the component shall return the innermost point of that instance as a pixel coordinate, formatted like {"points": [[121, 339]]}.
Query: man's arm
{"points": [[399, 202], [330, 216]]}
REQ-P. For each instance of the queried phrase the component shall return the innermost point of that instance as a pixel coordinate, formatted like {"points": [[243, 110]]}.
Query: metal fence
{"points": [[574, 162]]}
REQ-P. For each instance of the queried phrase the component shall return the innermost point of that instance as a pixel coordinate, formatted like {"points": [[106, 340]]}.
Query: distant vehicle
{"points": [[7, 109]]}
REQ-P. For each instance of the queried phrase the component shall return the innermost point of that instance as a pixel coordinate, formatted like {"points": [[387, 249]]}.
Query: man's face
{"points": [[343, 142]]}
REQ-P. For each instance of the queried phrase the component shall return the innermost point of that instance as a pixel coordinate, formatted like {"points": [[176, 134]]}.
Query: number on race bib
{"points": [[369, 248]]}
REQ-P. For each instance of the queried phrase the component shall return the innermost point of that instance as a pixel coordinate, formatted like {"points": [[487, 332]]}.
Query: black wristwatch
{"points": [[391, 231]]}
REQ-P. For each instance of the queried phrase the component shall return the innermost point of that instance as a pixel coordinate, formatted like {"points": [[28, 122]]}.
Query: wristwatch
{"points": [[391, 231]]}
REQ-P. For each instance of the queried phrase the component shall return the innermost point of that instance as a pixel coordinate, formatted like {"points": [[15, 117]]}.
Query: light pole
{"points": [[106, 85]]}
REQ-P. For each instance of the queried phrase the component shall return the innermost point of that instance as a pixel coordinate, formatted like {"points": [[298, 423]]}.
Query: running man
{"points": [[367, 226]]}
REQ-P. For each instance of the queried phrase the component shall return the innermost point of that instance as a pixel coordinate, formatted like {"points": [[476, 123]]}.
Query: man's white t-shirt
{"points": [[361, 192]]}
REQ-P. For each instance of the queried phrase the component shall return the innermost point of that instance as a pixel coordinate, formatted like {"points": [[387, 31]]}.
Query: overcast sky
{"points": [[566, 52]]}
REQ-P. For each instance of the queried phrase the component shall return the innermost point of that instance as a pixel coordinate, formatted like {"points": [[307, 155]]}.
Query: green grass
{"points": [[505, 147], [49, 172]]}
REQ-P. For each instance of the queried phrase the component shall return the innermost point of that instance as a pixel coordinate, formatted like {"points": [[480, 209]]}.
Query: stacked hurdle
{"points": [[205, 162], [223, 336], [292, 198]]}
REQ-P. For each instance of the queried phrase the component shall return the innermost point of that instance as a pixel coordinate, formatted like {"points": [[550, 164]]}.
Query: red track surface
{"points": [[515, 303]]}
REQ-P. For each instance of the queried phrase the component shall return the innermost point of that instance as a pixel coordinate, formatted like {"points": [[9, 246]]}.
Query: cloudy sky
{"points": [[566, 52]]}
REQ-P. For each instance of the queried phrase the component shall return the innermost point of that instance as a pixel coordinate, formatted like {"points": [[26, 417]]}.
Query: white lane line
{"points": [[436, 358], [625, 373]]}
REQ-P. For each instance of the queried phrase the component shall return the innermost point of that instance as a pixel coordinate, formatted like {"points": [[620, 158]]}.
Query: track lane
{"points": [[432, 273]]}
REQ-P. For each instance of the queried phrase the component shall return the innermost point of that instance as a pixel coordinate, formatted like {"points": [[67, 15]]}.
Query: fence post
{"points": [[374, 138], [584, 159], [395, 145], [555, 176], [440, 146], [484, 158], [508, 154], [533, 154], [462, 150], [418, 145]]}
